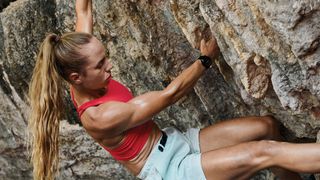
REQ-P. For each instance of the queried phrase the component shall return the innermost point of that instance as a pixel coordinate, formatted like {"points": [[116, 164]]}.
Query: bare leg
{"points": [[304, 158], [244, 160], [239, 130]]}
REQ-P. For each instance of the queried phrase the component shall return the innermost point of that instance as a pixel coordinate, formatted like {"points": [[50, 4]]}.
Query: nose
{"points": [[109, 67]]}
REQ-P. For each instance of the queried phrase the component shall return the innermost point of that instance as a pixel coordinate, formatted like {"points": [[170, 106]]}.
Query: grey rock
{"points": [[4, 4]]}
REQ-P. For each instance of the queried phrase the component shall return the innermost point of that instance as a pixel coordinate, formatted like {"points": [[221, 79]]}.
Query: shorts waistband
{"points": [[163, 141], [163, 161]]}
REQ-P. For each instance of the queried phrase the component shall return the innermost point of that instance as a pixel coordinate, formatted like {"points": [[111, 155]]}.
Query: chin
{"points": [[106, 83], [108, 79]]}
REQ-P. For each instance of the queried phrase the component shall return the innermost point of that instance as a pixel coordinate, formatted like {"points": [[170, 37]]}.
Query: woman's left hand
{"points": [[209, 48]]}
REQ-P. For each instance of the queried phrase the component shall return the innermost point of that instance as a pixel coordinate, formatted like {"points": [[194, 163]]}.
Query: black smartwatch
{"points": [[206, 61]]}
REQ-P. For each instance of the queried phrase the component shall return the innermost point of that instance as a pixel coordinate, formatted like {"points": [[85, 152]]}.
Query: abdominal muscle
{"points": [[136, 164]]}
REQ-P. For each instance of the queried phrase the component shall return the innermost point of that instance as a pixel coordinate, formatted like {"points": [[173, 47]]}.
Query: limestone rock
{"points": [[82, 158], [13, 158], [246, 29], [4, 4]]}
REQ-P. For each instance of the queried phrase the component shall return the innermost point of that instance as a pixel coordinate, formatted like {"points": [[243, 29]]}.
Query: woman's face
{"points": [[97, 70]]}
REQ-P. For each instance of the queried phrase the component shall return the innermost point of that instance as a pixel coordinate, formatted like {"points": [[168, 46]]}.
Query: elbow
{"points": [[171, 93]]}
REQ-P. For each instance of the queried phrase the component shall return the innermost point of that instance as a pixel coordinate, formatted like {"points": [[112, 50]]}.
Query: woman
{"points": [[122, 124]]}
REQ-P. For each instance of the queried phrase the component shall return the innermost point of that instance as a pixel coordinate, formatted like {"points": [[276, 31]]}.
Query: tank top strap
{"points": [[115, 92]]}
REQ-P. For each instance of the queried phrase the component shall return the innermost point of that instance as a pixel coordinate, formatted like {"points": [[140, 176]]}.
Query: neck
{"points": [[82, 95]]}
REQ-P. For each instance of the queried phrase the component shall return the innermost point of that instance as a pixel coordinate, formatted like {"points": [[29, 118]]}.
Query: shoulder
{"points": [[93, 116], [100, 129], [90, 118], [93, 124], [103, 120]]}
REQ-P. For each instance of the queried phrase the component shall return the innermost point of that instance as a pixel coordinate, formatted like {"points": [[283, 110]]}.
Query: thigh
{"points": [[190, 168], [234, 162], [235, 131]]}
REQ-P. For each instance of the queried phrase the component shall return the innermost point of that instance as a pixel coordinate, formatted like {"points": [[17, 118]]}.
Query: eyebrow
{"points": [[102, 59]]}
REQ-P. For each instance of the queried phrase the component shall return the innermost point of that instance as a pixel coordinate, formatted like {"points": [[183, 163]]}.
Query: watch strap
{"points": [[206, 61]]}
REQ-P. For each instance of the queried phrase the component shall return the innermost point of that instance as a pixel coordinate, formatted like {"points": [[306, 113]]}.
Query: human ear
{"points": [[75, 78]]}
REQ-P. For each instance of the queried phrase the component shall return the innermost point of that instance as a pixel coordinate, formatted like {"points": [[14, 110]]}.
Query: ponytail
{"points": [[57, 58], [46, 101]]}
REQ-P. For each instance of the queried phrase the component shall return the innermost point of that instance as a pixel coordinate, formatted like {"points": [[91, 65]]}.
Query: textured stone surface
{"points": [[4, 4], [82, 158], [13, 158], [270, 58], [269, 65]]}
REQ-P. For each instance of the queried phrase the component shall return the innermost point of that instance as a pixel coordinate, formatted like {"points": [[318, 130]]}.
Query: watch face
{"points": [[206, 61]]}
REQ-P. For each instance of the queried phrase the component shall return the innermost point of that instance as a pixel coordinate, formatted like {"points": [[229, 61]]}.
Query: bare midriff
{"points": [[135, 165]]}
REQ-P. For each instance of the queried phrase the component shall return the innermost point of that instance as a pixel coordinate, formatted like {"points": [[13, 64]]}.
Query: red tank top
{"points": [[135, 138]]}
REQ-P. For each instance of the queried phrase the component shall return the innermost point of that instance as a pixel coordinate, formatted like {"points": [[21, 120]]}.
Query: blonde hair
{"points": [[57, 58]]}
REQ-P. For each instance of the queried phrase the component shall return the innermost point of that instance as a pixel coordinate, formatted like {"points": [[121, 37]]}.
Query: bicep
{"points": [[148, 105]]}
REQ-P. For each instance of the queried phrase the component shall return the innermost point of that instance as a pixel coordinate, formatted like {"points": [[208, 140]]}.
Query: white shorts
{"points": [[178, 158]]}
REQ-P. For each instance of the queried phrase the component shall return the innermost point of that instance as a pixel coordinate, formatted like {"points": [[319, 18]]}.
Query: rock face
{"points": [[269, 65]]}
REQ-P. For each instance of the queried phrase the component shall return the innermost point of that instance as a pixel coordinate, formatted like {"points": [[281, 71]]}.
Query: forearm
{"points": [[185, 81], [84, 22]]}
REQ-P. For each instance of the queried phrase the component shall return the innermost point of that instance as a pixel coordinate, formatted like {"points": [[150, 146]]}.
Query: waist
{"points": [[136, 164], [167, 154], [133, 142]]}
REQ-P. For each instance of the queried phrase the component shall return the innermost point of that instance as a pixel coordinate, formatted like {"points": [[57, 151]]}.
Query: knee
{"points": [[263, 152], [271, 127]]}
